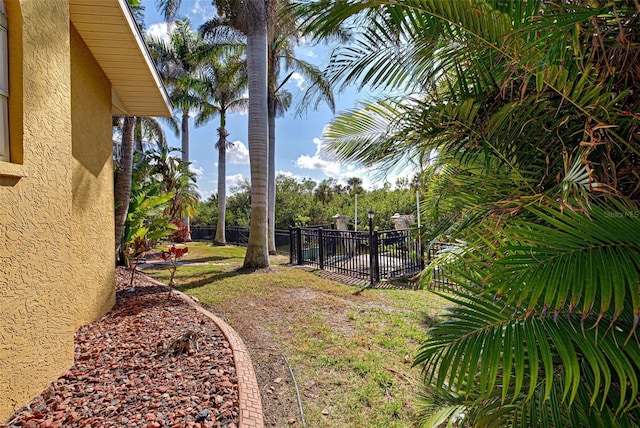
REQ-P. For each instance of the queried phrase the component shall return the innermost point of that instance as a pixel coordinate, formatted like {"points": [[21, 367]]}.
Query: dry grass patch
{"points": [[351, 353]]}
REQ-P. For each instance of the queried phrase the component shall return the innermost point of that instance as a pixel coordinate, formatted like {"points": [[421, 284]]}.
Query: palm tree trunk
{"points": [[257, 255], [185, 135], [138, 136], [185, 156], [272, 175], [123, 180], [221, 238]]}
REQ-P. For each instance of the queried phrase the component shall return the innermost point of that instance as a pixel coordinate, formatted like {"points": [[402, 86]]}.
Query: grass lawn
{"points": [[350, 352]]}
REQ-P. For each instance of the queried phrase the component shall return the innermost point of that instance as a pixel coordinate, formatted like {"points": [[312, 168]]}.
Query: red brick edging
{"points": [[248, 391], [249, 401]]}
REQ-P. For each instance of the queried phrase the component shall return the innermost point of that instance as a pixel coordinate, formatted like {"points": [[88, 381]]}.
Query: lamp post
{"points": [[371, 250]]}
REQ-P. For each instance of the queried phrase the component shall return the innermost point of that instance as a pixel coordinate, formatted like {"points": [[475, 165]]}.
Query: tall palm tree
{"points": [[282, 58], [533, 109], [223, 87], [251, 18], [178, 61]]}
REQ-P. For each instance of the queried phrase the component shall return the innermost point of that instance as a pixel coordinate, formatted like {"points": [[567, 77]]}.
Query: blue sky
{"points": [[300, 150]]}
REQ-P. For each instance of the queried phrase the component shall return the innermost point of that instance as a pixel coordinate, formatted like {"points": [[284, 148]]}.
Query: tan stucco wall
{"points": [[92, 210], [48, 287]]}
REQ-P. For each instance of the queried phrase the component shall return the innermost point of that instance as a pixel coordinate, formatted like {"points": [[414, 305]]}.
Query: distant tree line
{"points": [[307, 202]]}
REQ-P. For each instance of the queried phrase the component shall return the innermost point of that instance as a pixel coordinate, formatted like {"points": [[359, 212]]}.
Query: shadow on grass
{"points": [[207, 280], [220, 276], [429, 320], [208, 259]]}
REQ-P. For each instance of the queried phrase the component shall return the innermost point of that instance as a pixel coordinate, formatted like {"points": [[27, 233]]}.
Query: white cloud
{"points": [[205, 195], [289, 174], [322, 160], [299, 79], [234, 181], [159, 30], [312, 54], [201, 10], [197, 170], [238, 153]]}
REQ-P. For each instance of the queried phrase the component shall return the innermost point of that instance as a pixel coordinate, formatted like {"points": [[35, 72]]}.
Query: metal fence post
{"points": [[421, 244], [290, 245], [371, 259], [376, 261], [299, 244], [320, 249]]}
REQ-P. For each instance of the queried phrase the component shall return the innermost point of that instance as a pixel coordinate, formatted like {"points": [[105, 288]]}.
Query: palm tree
{"points": [[148, 132], [178, 61], [122, 187], [533, 110], [282, 57], [223, 85], [251, 18], [324, 192], [354, 185]]}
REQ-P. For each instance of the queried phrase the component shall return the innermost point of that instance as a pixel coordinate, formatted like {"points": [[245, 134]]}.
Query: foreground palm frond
{"points": [[532, 110]]}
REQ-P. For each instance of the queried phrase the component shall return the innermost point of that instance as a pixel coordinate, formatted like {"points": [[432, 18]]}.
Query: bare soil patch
{"points": [[250, 319]]}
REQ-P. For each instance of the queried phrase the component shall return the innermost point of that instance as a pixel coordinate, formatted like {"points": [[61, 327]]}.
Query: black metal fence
{"points": [[379, 256], [439, 278], [396, 253], [238, 235]]}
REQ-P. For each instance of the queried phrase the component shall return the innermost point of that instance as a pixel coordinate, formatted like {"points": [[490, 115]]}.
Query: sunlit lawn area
{"points": [[351, 353]]}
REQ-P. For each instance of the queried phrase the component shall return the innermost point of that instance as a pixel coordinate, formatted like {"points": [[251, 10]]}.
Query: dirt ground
{"points": [[278, 393], [279, 399]]}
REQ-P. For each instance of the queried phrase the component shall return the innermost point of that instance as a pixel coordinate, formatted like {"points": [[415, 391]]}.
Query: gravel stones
{"points": [[118, 380]]}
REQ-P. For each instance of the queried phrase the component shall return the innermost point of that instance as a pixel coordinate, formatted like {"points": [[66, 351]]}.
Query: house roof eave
{"points": [[110, 32]]}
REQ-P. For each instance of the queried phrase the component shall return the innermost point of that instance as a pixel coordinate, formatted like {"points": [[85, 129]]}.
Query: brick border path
{"points": [[249, 401]]}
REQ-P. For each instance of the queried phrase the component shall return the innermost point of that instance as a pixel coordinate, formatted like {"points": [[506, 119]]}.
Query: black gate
{"points": [[378, 256]]}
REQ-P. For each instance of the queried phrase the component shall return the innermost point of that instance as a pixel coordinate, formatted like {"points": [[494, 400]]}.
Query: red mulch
{"points": [[118, 380]]}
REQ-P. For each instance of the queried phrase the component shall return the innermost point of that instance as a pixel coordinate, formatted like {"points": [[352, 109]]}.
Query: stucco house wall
{"points": [[36, 288], [57, 262], [92, 185]]}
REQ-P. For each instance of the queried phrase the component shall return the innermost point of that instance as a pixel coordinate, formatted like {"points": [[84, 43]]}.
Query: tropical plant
{"points": [[179, 60], [122, 186], [172, 254], [354, 185], [532, 109], [174, 176], [146, 222], [126, 127], [251, 18]]}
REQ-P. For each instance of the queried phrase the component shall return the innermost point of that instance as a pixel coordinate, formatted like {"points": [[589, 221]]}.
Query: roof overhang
{"points": [[113, 37]]}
